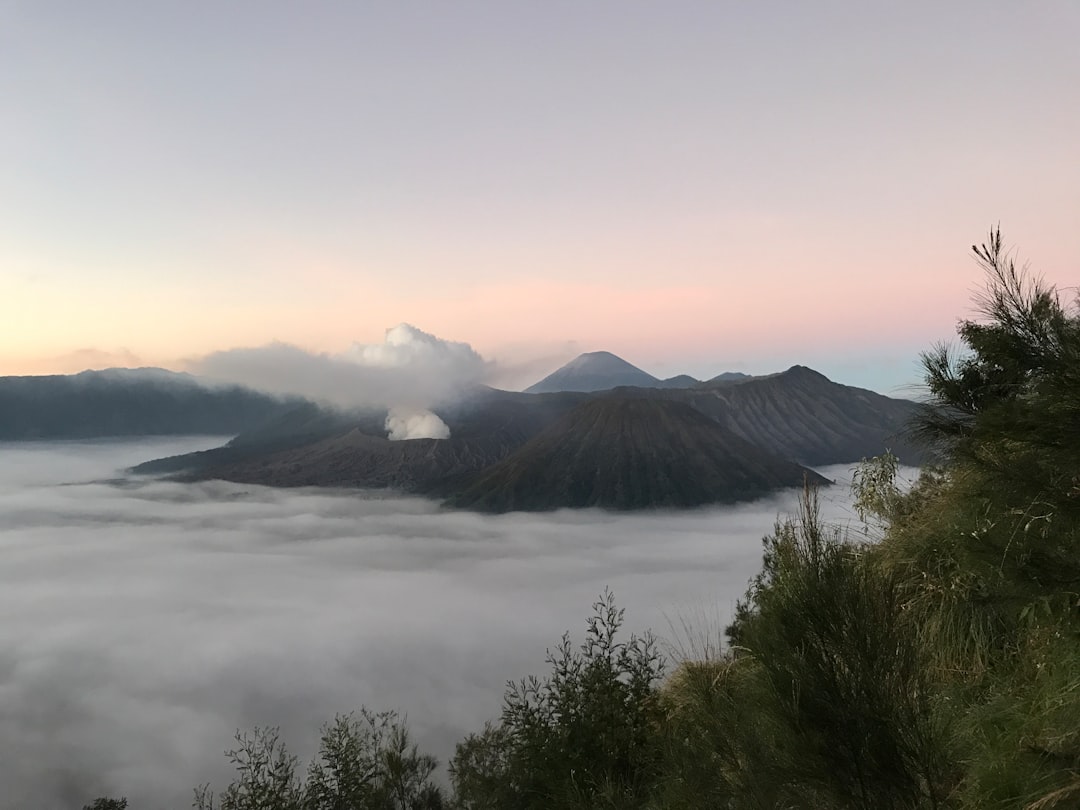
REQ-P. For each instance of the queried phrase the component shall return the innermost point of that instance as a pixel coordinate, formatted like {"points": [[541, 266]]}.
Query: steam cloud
{"points": [[145, 621], [410, 424], [410, 370]]}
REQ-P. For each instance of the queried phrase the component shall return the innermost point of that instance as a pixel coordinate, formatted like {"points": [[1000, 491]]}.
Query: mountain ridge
{"points": [[129, 402], [801, 414]]}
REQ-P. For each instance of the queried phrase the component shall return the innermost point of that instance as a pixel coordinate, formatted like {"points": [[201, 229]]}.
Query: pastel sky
{"points": [[696, 186]]}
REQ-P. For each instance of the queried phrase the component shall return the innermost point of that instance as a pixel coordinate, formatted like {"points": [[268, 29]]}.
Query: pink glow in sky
{"points": [[694, 186]]}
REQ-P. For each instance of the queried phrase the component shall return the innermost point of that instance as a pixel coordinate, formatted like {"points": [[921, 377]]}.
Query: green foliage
{"points": [[989, 561], [843, 671], [724, 748], [266, 776], [366, 761], [480, 770], [106, 803], [586, 736], [1009, 405], [877, 496], [940, 666], [1024, 733]]}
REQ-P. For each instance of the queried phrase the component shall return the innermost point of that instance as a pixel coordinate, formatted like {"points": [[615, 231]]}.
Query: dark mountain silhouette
{"points": [[128, 402], [797, 416], [622, 453]]}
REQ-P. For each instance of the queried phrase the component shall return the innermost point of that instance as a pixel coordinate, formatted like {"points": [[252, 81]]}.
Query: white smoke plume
{"points": [[409, 372], [402, 423]]}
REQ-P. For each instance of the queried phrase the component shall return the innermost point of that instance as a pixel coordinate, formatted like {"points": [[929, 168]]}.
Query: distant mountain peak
{"points": [[602, 371], [679, 381], [806, 373], [728, 377], [601, 361], [594, 371]]}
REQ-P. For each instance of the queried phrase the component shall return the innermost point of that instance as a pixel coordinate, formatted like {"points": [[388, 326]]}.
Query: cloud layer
{"points": [[410, 368], [145, 621]]}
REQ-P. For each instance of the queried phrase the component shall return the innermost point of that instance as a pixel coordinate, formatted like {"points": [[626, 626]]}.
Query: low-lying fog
{"points": [[145, 621]]}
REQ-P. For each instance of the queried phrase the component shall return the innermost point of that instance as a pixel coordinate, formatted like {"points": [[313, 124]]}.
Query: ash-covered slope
{"points": [[128, 402], [804, 416], [363, 460], [619, 452]]}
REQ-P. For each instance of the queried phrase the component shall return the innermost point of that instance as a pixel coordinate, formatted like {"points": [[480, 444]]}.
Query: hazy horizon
{"points": [[338, 379], [697, 187]]}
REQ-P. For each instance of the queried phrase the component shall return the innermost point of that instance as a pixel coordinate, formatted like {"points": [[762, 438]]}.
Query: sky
{"points": [[145, 621], [695, 186]]}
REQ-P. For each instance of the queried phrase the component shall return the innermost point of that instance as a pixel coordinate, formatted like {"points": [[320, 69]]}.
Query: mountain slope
{"points": [[620, 452], [366, 461], [128, 402], [306, 424], [804, 416], [594, 371], [812, 419]]}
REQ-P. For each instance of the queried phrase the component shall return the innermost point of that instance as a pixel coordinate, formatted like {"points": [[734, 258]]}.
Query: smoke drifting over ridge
{"points": [[146, 620], [409, 372]]}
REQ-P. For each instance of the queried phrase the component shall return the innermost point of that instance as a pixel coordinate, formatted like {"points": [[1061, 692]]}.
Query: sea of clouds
{"points": [[144, 621]]}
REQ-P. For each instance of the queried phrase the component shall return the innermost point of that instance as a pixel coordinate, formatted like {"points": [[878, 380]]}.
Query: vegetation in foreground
{"points": [[934, 663]]}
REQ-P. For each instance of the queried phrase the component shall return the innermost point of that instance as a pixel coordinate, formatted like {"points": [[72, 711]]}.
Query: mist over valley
{"points": [[148, 619]]}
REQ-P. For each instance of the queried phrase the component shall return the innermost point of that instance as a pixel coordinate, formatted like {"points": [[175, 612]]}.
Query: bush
{"points": [[840, 673], [366, 761], [586, 736]]}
